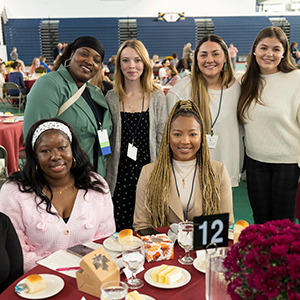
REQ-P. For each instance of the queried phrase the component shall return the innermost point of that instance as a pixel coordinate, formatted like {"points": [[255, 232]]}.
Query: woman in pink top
{"points": [[172, 76], [57, 201]]}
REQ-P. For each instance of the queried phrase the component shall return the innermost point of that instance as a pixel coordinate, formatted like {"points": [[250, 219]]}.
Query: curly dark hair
{"points": [[31, 180]]}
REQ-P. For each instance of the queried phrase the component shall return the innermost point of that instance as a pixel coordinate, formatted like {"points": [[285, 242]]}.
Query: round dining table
{"points": [[11, 138], [194, 289]]}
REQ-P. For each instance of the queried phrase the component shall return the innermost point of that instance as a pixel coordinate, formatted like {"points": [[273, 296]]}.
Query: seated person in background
{"points": [[182, 68], [22, 68], [57, 201], [183, 182], [11, 256], [102, 82], [43, 63], [111, 66], [174, 61], [162, 70], [2, 77], [172, 76], [16, 77], [34, 65]]}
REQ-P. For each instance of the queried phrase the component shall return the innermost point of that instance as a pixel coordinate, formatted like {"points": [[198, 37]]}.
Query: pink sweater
{"points": [[41, 233]]}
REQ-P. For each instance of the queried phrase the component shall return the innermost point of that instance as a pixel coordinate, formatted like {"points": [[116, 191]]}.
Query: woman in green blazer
{"points": [[79, 62]]}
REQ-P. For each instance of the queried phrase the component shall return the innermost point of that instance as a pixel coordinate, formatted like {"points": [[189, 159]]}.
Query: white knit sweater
{"points": [[272, 132]]}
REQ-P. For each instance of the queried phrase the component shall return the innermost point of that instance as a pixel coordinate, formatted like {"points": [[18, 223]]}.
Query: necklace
{"points": [[60, 191], [183, 178]]}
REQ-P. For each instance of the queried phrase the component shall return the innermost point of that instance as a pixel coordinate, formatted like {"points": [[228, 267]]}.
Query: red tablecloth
{"points": [[195, 289], [29, 83], [11, 138]]}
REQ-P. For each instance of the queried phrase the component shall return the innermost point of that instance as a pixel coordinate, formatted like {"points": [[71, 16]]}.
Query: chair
{"points": [[3, 165], [12, 86]]}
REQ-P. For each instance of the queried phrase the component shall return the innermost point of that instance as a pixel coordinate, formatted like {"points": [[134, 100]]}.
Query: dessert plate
{"points": [[200, 264], [8, 121], [54, 284], [113, 245], [186, 277]]}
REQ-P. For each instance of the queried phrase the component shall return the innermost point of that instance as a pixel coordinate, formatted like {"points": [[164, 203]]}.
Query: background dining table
{"points": [[194, 289], [11, 138]]}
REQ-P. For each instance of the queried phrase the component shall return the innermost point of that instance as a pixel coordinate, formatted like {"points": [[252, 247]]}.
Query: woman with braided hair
{"points": [[183, 182]]}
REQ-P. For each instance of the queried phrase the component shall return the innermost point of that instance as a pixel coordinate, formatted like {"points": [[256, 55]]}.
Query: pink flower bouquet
{"points": [[265, 264]]}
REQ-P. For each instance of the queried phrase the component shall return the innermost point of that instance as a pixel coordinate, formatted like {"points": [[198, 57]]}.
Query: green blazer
{"points": [[50, 92]]}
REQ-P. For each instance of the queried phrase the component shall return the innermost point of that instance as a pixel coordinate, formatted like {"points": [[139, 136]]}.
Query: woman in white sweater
{"points": [[269, 109]]}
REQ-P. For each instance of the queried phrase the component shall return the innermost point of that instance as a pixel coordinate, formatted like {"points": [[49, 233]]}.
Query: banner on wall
{"points": [[171, 17]]}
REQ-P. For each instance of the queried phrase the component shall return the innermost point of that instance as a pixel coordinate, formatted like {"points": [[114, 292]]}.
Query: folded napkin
{"points": [[172, 233]]}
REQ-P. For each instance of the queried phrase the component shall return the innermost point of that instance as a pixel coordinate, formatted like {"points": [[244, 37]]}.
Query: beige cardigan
{"points": [[141, 220]]}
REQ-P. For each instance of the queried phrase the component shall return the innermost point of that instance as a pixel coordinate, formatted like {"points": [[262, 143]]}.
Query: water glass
{"points": [[133, 253], [114, 290], [185, 237], [215, 284]]}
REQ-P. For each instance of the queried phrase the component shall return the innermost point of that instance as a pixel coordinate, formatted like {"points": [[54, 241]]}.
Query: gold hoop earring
{"points": [[37, 169], [74, 163]]}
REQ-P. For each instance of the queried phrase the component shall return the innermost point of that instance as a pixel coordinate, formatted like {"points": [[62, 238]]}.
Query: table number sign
{"points": [[211, 229]]}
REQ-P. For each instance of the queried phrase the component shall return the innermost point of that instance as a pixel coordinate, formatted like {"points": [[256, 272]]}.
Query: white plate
{"points": [[147, 297], [7, 121], [113, 245], [183, 281], [200, 264], [54, 284]]}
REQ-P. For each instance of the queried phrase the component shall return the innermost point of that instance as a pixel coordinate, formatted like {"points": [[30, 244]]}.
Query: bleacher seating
{"points": [[159, 37]]}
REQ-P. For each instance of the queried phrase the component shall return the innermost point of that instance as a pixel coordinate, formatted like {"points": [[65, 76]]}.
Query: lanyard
{"points": [[219, 109], [93, 108], [169, 79], [187, 207], [133, 135]]}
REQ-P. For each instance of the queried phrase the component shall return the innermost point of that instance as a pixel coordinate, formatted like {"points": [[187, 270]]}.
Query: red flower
{"points": [[265, 264]]}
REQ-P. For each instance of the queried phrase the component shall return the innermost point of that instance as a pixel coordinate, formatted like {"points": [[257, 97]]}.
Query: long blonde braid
{"points": [[159, 184]]}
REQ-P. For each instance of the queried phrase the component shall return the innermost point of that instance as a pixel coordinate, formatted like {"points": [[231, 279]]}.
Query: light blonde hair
{"points": [[159, 184], [97, 80], [146, 77], [199, 92]]}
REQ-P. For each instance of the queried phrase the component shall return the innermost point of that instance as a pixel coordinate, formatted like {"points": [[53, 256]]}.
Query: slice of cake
{"points": [[155, 272], [135, 295], [173, 276], [35, 283], [166, 274]]}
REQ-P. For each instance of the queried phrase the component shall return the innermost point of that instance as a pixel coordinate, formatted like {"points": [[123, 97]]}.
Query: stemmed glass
{"points": [[116, 290], [134, 257], [185, 238]]}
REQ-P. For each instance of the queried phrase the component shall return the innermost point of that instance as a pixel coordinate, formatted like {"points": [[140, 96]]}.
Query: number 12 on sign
{"points": [[211, 229]]}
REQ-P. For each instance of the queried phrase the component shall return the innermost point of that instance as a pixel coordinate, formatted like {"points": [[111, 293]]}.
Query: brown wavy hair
{"points": [[252, 82], [199, 92]]}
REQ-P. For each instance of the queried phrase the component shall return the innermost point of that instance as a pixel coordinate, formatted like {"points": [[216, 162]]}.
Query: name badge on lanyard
{"points": [[132, 151], [212, 141], [104, 142]]}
